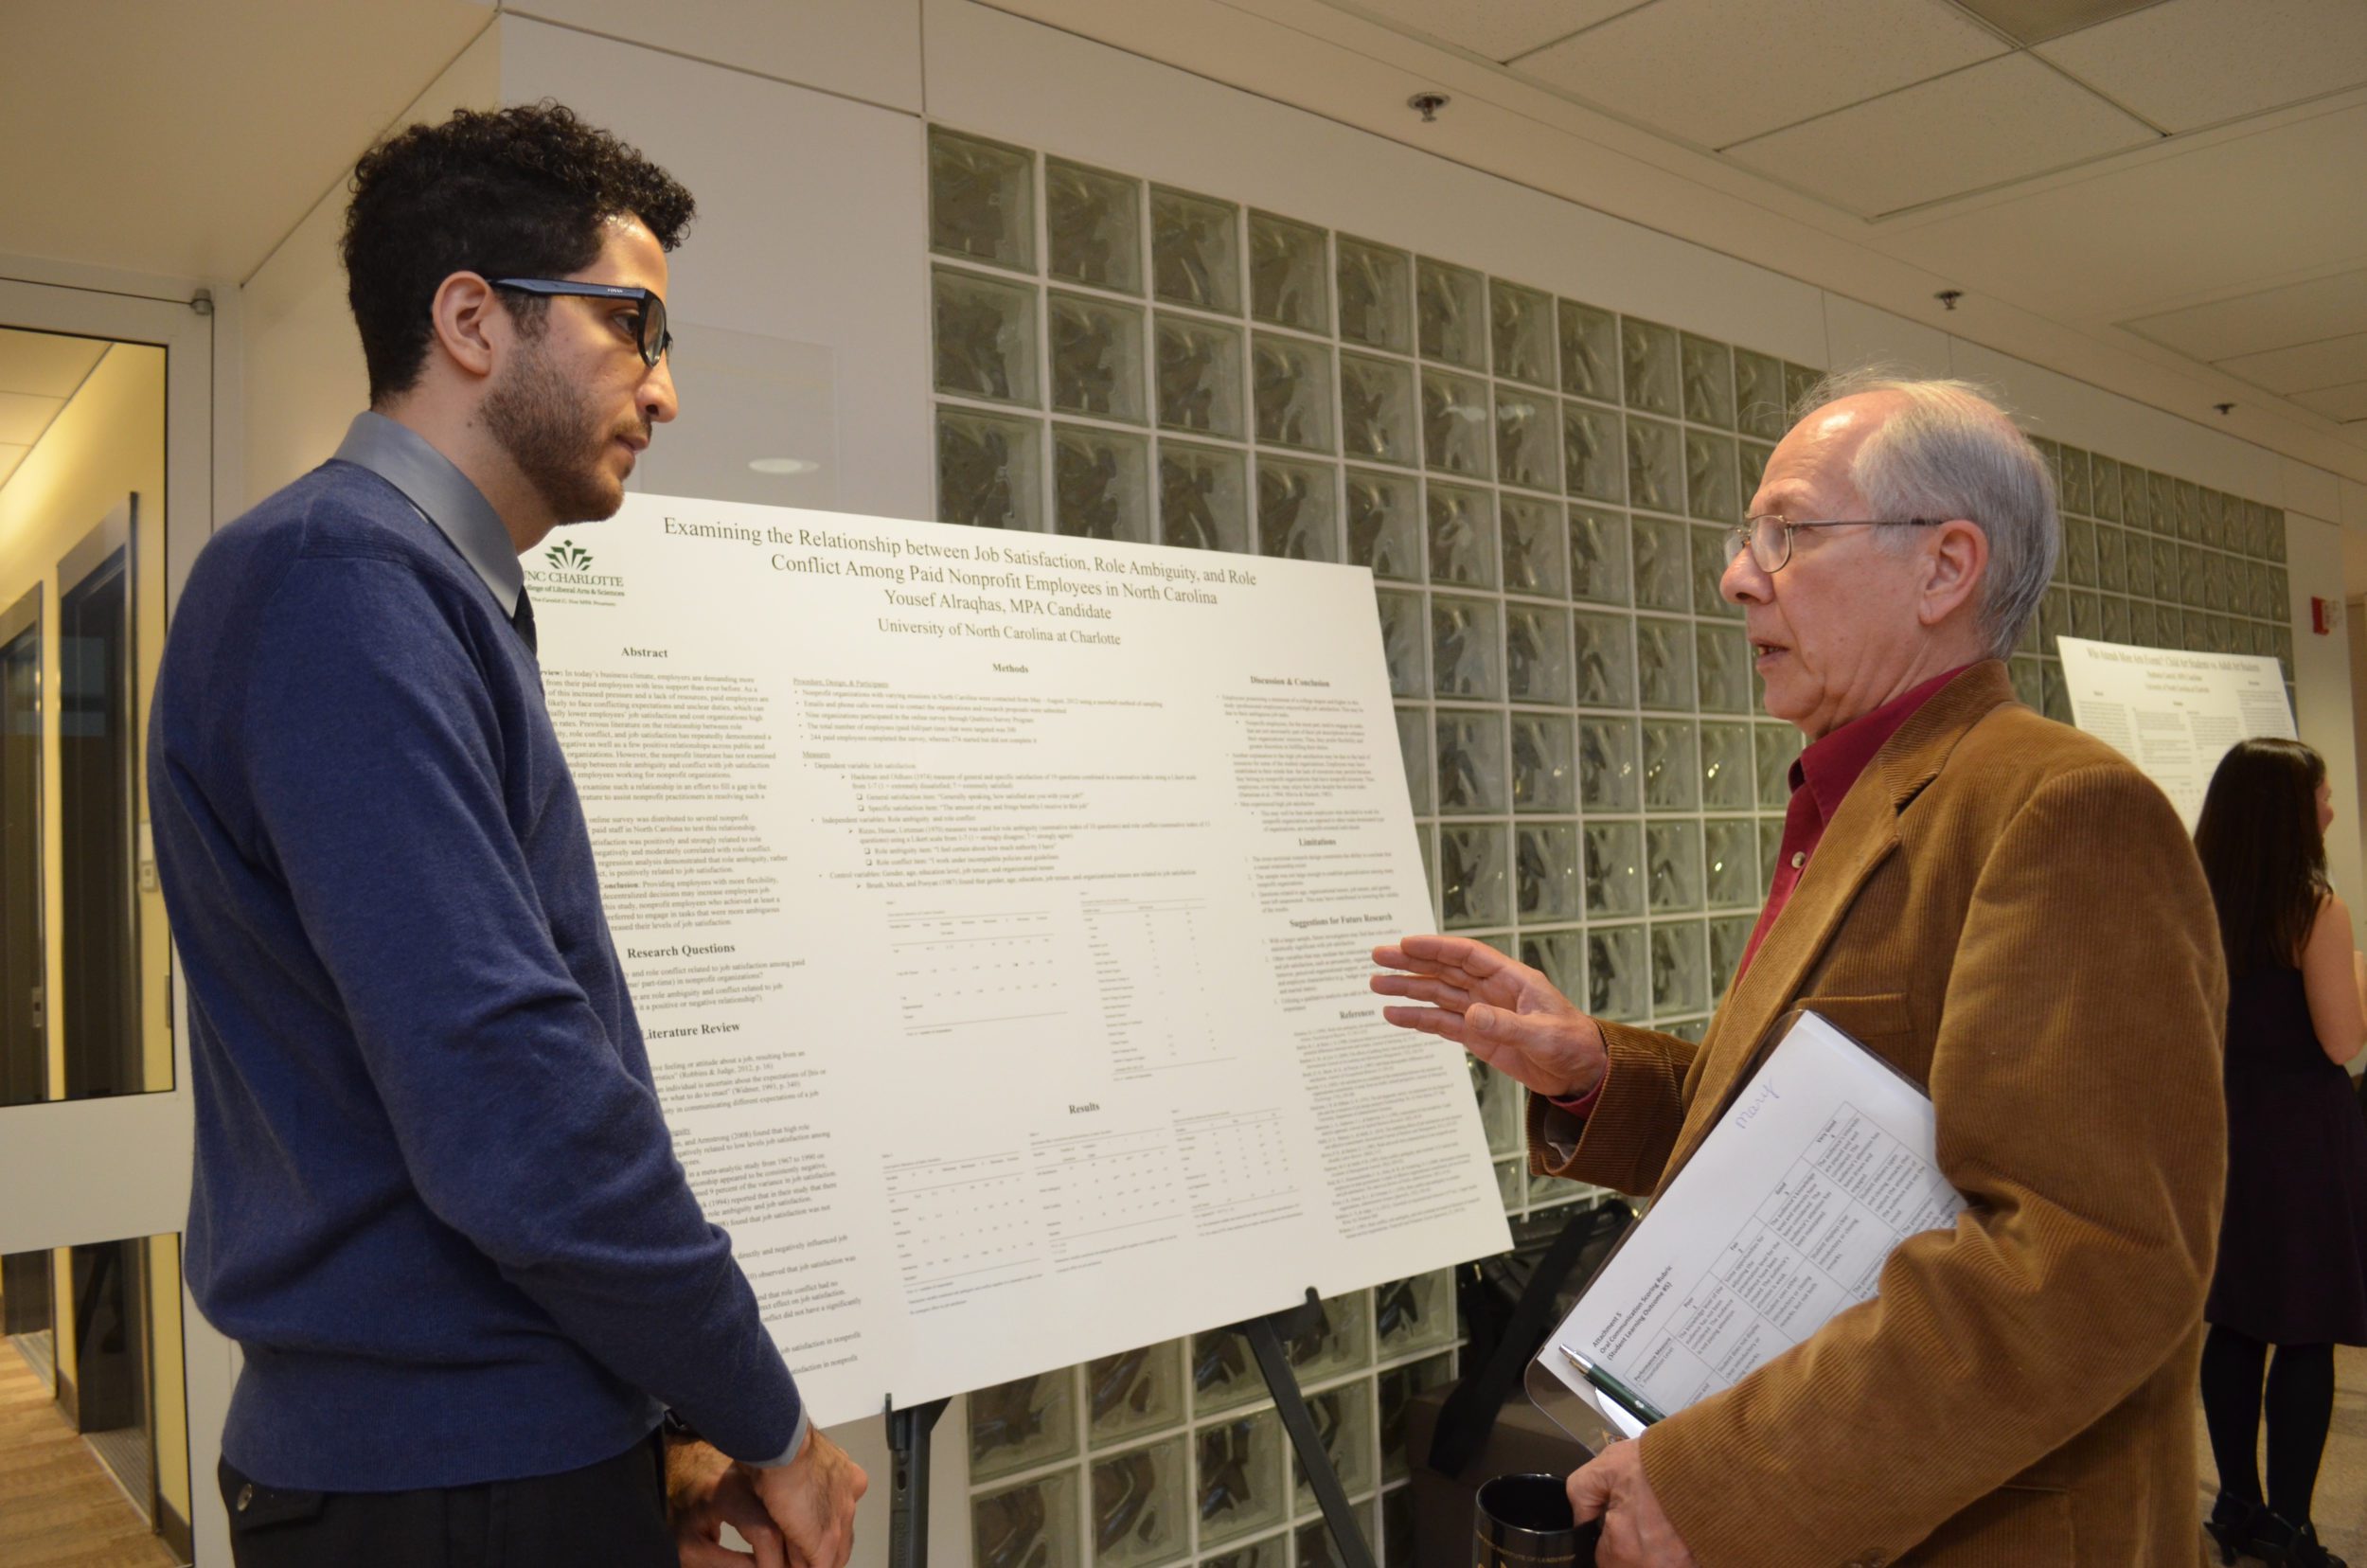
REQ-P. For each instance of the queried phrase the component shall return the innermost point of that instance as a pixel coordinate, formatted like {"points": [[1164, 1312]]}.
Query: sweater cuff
{"points": [[796, 1444]]}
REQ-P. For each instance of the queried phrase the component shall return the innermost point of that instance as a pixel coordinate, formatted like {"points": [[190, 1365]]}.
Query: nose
{"points": [[1743, 581], [659, 403]]}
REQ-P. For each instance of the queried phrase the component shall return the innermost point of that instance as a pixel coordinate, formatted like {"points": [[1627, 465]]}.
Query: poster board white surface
{"points": [[2173, 713], [996, 909]]}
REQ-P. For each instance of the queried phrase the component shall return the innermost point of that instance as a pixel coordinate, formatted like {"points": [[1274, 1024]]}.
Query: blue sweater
{"points": [[434, 1200]]}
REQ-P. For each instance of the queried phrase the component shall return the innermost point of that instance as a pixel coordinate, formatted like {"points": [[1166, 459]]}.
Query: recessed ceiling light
{"points": [[783, 465]]}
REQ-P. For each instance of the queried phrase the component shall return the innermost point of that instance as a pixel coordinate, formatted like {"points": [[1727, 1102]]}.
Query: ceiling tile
{"points": [[1713, 72], [47, 365], [2256, 323], [2304, 367], [1498, 30], [2002, 121], [23, 418], [2346, 403], [2186, 64], [10, 458], [186, 139], [2034, 21]]}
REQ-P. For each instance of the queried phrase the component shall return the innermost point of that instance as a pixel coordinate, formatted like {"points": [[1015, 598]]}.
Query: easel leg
{"points": [[1265, 1341], [908, 1496]]}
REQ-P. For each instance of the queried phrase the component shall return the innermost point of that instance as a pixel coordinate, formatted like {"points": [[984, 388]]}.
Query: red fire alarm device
{"points": [[2323, 614]]}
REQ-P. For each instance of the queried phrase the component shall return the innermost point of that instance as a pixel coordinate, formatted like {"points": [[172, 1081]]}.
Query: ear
{"points": [[1953, 565], [471, 326]]}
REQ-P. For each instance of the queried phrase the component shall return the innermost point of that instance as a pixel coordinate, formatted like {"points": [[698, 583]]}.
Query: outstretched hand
{"points": [[1504, 1013]]}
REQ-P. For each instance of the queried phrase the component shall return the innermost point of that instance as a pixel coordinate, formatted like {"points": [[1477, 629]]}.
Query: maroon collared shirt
{"points": [[1821, 779]]}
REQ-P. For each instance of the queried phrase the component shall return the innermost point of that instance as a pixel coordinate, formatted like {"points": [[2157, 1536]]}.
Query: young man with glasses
{"points": [[2005, 909], [435, 1201]]}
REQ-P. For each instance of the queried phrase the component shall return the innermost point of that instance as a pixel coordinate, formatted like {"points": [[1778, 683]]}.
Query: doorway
{"points": [[95, 1127]]}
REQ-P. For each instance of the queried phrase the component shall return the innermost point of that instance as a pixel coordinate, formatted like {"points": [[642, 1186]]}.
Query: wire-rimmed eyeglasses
{"points": [[650, 335], [1768, 537]]}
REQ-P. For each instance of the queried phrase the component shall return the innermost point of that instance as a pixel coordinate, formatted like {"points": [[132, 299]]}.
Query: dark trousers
{"points": [[613, 1512]]}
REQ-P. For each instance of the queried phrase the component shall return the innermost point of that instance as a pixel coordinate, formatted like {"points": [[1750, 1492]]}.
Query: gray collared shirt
{"points": [[445, 497]]}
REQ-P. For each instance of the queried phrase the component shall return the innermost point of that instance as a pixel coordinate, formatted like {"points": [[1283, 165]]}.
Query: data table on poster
{"points": [[996, 909]]}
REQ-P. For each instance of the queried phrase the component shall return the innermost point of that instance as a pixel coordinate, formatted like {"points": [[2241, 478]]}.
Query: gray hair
{"points": [[1953, 452]]}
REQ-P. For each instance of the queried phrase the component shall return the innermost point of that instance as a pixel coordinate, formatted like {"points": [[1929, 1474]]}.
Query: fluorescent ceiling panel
{"points": [[45, 365], [1999, 121], [23, 417], [2307, 366], [1498, 30], [2187, 64], [186, 139], [2346, 403], [2034, 21], [1713, 72], [2254, 323]]}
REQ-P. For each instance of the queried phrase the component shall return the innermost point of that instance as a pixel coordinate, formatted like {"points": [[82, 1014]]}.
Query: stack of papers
{"points": [[1818, 1169]]}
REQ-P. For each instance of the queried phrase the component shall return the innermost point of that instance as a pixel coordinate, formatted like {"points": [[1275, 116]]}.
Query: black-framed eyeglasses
{"points": [[1768, 537], [653, 338]]}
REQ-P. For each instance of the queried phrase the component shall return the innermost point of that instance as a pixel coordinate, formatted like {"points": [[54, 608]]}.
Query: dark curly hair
{"points": [[517, 192]]}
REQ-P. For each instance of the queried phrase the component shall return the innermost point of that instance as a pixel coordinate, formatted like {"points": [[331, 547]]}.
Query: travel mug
{"points": [[1523, 1521]]}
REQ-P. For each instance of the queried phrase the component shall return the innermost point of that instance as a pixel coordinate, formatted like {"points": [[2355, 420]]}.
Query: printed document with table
{"points": [[1822, 1165]]}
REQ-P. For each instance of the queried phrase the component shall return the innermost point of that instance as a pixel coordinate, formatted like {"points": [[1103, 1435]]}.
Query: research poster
{"points": [[2174, 714], [997, 911]]}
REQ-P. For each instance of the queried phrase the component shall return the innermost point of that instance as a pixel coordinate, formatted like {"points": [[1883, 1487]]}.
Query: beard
{"points": [[558, 442]]}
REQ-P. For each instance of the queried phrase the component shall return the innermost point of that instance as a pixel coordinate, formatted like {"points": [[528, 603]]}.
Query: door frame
{"points": [[27, 615], [118, 1168]]}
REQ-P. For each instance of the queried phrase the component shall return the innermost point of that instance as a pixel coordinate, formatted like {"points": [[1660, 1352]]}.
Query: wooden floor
{"points": [[59, 1507]]}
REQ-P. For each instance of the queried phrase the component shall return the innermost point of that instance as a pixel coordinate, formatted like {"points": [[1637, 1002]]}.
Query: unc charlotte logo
{"points": [[569, 557]]}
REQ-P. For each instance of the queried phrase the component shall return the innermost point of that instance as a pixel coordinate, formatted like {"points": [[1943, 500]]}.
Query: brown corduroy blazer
{"points": [[2009, 912]]}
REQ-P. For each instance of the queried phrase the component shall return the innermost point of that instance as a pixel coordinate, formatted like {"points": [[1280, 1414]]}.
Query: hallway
{"points": [[62, 1507]]}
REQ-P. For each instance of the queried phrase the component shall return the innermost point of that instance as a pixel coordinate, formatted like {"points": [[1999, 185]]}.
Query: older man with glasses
{"points": [[2009, 913]]}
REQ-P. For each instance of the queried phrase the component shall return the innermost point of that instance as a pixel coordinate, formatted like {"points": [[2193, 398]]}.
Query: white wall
{"points": [[2354, 634], [868, 50], [300, 375], [811, 233], [2326, 712]]}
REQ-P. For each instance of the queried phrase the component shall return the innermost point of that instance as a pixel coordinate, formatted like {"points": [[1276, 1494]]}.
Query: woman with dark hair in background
{"points": [[2292, 1270]]}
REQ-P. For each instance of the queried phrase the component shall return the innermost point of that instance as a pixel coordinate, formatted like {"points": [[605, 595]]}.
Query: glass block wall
{"points": [[2155, 562], [1541, 488]]}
